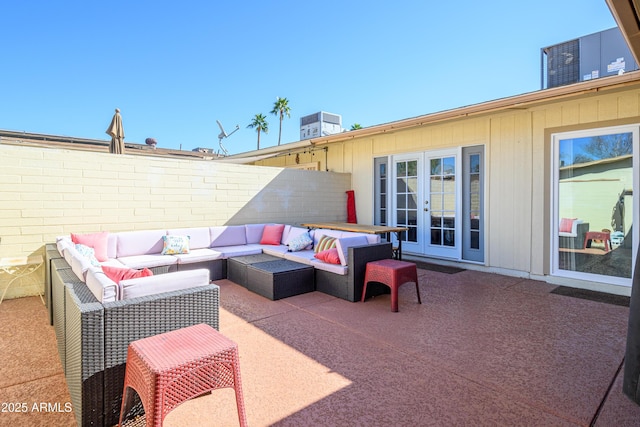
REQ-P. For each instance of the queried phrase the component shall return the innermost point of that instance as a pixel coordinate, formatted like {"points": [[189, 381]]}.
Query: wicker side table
{"points": [[168, 369], [392, 273]]}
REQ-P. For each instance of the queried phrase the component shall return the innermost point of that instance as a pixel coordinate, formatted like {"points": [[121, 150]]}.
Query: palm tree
{"points": [[356, 126], [280, 108], [260, 123]]}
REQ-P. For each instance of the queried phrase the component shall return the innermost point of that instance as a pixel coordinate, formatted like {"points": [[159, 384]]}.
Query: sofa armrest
{"points": [[129, 320], [359, 256], [98, 336], [581, 232]]}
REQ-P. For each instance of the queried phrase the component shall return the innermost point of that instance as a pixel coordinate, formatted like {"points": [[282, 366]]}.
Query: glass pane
{"points": [[436, 202], [383, 201], [435, 167], [412, 168], [402, 217], [449, 220], [449, 165], [401, 185], [383, 170], [436, 236], [401, 169], [401, 201], [449, 202], [475, 221], [412, 184], [413, 217], [449, 238], [474, 163], [412, 201], [595, 204], [412, 234], [436, 184], [475, 240], [436, 221]]}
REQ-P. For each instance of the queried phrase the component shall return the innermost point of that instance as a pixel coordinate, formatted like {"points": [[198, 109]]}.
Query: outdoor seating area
{"points": [[481, 349]]}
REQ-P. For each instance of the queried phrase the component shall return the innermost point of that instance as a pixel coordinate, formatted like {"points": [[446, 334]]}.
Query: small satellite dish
{"points": [[223, 134]]}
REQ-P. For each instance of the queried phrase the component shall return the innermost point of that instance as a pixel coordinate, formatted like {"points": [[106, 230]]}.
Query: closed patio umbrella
{"points": [[116, 131]]}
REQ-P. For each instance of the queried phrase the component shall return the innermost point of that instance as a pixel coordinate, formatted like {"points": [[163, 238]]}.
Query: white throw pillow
{"points": [[300, 242]]}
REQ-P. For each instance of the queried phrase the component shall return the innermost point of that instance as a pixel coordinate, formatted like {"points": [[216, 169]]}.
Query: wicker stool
{"points": [[392, 273], [168, 369]]}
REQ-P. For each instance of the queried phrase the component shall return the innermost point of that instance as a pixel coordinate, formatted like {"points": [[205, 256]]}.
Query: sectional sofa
{"points": [[96, 315]]}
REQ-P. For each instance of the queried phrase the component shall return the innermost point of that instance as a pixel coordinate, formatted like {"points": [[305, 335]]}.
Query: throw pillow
{"points": [[97, 241], [329, 256], [566, 225], [301, 242], [343, 244], [173, 245], [324, 243], [119, 273], [272, 234], [88, 253]]}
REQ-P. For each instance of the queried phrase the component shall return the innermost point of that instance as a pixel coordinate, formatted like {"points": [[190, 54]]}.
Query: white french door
{"points": [[441, 207], [426, 198]]}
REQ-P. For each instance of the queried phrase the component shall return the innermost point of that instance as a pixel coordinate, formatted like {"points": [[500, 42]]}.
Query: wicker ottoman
{"points": [[237, 266], [280, 279]]}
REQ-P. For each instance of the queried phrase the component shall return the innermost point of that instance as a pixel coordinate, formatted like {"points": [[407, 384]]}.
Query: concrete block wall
{"points": [[48, 192]]}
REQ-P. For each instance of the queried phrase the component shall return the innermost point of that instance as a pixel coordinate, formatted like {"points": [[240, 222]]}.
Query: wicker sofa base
{"points": [[93, 337]]}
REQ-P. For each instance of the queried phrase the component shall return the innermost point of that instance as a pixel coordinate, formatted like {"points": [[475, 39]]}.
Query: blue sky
{"points": [[174, 68]]}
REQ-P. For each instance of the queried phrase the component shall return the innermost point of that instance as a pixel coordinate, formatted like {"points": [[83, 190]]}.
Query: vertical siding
{"points": [[510, 187]]}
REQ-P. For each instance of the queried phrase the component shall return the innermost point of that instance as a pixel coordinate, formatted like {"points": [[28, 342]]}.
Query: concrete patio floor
{"points": [[482, 349]]}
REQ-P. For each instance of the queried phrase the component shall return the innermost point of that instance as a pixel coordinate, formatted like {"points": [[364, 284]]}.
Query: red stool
{"points": [[168, 369], [392, 273]]}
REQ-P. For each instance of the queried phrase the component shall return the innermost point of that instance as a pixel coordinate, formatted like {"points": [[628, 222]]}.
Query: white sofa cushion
{"points": [[198, 255], [143, 242], [331, 268], [148, 261], [279, 250], [103, 288], [79, 264], [239, 250], [112, 245], [143, 286], [199, 237], [303, 257], [227, 235], [344, 243]]}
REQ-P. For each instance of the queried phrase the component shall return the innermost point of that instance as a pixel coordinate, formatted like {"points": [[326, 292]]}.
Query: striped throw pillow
{"points": [[325, 243]]}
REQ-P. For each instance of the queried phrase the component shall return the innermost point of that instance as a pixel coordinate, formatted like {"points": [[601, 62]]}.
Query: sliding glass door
{"points": [[593, 208]]}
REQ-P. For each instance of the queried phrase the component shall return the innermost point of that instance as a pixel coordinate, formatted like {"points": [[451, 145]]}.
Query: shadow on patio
{"points": [[482, 349]]}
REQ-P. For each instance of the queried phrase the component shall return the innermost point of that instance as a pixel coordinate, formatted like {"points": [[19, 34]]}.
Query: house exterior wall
{"points": [[517, 162], [46, 193]]}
